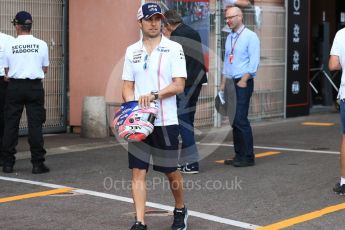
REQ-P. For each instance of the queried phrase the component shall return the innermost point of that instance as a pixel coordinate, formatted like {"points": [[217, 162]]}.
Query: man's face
{"points": [[151, 27], [166, 30], [233, 18]]}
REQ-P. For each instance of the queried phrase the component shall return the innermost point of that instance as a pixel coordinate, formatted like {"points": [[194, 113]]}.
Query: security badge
{"points": [[231, 58]]}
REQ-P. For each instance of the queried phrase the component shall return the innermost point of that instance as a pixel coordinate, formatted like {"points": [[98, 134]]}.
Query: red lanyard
{"points": [[231, 56], [233, 46]]}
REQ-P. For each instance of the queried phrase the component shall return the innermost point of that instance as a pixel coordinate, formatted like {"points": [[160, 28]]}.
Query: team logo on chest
{"points": [[137, 56], [163, 50]]}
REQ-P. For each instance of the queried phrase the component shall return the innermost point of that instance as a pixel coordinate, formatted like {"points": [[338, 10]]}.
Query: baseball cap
{"points": [[22, 18], [148, 10]]}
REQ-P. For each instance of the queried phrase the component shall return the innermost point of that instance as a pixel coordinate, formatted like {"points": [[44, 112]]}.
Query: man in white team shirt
{"points": [[26, 62], [4, 40], [155, 69], [337, 62]]}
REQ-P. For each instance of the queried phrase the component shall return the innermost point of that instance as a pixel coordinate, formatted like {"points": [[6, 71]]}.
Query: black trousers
{"points": [[3, 87], [20, 93]]}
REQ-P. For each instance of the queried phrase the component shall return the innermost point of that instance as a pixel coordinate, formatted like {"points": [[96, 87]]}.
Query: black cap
{"points": [[221, 108], [22, 18]]}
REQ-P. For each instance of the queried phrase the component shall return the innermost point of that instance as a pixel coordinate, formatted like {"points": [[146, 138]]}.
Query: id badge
{"points": [[231, 58]]}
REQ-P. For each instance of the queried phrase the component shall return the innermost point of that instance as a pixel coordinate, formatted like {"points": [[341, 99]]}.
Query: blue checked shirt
{"points": [[246, 53]]}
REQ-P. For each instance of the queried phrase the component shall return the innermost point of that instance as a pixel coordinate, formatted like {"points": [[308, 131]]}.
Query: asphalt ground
{"points": [[290, 187]]}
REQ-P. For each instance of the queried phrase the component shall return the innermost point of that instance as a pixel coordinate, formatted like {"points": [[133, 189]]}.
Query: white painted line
{"points": [[204, 216], [104, 195], [277, 148], [69, 149], [48, 185], [223, 220]]}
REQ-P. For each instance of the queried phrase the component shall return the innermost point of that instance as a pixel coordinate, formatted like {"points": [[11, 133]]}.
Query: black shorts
{"points": [[162, 144]]}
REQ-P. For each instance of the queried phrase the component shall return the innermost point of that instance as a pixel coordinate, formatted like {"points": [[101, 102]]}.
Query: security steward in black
{"points": [[3, 87], [25, 64], [4, 41]]}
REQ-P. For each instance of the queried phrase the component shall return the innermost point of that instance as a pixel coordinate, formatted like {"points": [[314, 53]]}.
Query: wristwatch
{"points": [[155, 94]]}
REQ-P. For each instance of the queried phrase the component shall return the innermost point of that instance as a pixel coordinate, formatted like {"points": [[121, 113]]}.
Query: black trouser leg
{"points": [[13, 112], [36, 117], [3, 87]]}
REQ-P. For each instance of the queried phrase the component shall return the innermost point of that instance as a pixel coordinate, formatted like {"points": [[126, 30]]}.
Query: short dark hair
{"points": [[172, 17], [25, 28]]}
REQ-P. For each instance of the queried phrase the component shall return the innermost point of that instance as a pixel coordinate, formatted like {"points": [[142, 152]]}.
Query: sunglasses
{"points": [[146, 65]]}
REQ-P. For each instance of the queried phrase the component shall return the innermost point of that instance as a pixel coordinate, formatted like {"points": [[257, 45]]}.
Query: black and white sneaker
{"points": [[340, 190], [180, 219], [138, 226], [190, 168]]}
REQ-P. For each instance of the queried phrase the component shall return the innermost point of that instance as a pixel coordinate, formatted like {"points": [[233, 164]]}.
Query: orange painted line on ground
{"points": [[265, 154], [318, 123], [259, 155], [36, 194], [303, 218], [220, 161]]}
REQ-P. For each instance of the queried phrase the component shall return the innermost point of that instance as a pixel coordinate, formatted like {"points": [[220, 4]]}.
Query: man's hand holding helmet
{"points": [[145, 100]]}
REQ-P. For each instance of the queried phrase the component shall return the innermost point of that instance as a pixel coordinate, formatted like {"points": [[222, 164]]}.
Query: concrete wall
{"points": [[99, 32]]}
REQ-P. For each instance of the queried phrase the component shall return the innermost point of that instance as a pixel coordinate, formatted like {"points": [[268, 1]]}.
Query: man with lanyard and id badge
{"points": [[241, 61]]}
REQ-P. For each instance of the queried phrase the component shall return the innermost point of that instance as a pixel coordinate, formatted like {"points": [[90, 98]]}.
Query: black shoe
{"points": [[138, 226], [243, 163], [180, 219], [40, 168], [230, 161], [190, 168], [7, 168], [340, 190]]}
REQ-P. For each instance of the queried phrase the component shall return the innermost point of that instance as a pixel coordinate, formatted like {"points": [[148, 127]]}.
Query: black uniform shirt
{"points": [[191, 44]]}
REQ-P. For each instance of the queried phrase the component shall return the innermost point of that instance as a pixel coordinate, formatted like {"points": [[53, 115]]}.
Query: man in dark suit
{"points": [[196, 76]]}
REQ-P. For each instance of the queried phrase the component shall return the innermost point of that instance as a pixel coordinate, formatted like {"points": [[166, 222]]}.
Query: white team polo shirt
{"points": [[155, 72], [4, 41], [338, 49], [25, 57]]}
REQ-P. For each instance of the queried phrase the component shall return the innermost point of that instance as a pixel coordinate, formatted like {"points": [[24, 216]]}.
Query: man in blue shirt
{"points": [[241, 61]]}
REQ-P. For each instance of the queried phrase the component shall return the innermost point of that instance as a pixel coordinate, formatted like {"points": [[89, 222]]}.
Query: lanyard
{"points": [[233, 45]]}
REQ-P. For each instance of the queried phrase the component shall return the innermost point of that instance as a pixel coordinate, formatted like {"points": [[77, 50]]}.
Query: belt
{"points": [[25, 79], [238, 79]]}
